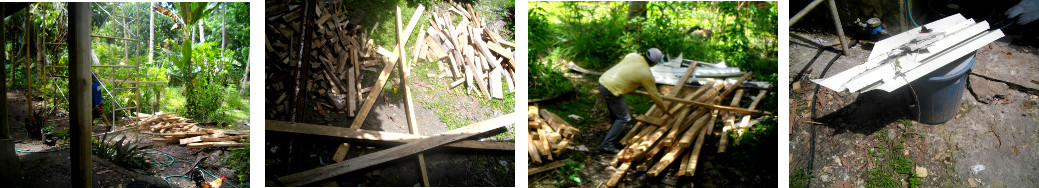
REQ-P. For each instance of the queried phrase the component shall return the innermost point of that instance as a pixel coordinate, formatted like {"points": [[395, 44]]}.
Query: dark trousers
{"points": [[619, 117]]}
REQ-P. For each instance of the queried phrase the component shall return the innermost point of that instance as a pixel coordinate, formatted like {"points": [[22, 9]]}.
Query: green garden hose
{"points": [[909, 9]]}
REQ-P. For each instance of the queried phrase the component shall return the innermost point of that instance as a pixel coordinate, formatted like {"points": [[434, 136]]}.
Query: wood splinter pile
{"points": [[475, 55], [328, 73], [549, 135], [184, 131], [658, 142]]}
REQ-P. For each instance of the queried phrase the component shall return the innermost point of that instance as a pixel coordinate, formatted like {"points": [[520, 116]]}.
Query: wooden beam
{"points": [[617, 175], [405, 70], [215, 144], [362, 114], [705, 105], [341, 152], [547, 167], [322, 173], [375, 136]]}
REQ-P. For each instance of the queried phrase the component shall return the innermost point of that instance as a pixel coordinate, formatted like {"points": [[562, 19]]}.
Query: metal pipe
{"points": [[804, 11], [840, 29], [79, 90]]}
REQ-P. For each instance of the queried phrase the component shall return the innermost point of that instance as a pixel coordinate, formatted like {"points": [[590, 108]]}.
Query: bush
{"points": [[203, 99]]}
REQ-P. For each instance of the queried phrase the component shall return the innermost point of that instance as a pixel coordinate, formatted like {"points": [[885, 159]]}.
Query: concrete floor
{"points": [[993, 140]]}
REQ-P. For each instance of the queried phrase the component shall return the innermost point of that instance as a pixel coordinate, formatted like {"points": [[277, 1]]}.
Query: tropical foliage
{"points": [[204, 50], [596, 35]]}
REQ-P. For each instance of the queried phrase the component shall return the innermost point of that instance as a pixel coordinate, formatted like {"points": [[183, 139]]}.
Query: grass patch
{"points": [[892, 164], [173, 99], [799, 178], [443, 96], [638, 103]]}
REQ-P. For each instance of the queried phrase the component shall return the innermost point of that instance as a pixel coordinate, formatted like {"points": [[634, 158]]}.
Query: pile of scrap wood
{"points": [[549, 134], [658, 142], [186, 132], [474, 54], [314, 59]]}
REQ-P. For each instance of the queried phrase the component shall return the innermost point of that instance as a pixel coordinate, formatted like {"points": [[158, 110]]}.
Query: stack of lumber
{"points": [[549, 135], [474, 54], [658, 142], [314, 57], [184, 131]]}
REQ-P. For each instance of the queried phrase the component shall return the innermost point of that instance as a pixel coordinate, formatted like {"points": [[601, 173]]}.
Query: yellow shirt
{"points": [[628, 75]]}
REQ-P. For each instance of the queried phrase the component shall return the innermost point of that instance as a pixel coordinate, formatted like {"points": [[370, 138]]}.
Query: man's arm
{"points": [[651, 88]]}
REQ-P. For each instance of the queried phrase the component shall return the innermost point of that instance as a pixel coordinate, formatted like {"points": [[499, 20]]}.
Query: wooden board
{"points": [[341, 152], [547, 167], [322, 173], [215, 144], [375, 136], [191, 140]]}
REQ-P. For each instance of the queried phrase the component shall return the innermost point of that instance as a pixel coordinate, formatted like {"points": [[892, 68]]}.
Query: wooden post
{"points": [[28, 64], [405, 70], [79, 92]]}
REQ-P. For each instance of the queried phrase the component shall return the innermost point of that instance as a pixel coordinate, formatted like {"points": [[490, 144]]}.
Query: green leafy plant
{"points": [[126, 153], [238, 161], [892, 164], [568, 174], [204, 100], [800, 177], [36, 123]]}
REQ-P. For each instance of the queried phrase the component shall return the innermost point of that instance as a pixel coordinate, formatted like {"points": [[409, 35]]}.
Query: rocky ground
{"points": [[872, 138]]}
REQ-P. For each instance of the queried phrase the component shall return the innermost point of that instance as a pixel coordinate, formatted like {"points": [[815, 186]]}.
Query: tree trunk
{"points": [[636, 9]]}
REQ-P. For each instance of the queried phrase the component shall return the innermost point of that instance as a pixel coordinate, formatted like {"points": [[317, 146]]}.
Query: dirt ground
{"points": [[51, 169], [993, 139]]}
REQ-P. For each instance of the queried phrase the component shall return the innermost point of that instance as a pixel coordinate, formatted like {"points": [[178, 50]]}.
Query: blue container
{"points": [[941, 91]]}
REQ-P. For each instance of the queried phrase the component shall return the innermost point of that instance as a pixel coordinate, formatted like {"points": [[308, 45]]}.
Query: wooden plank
{"points": [[341, 152], [211, 138], [532, 150], [746, 118], [729, 118], [547, 167], [497, 48], [375, 136], [706, 105], [362, 114], [545, 148], [191, 140], [684, 165], [405, 70], [695, 155], [617, 175], [215, 144], [165, 139], [495, 83], [651, 120], [555, 120], [322, 173]]}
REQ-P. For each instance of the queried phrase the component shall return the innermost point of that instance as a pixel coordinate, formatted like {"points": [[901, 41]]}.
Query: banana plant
{"points": [[186, 15]]}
